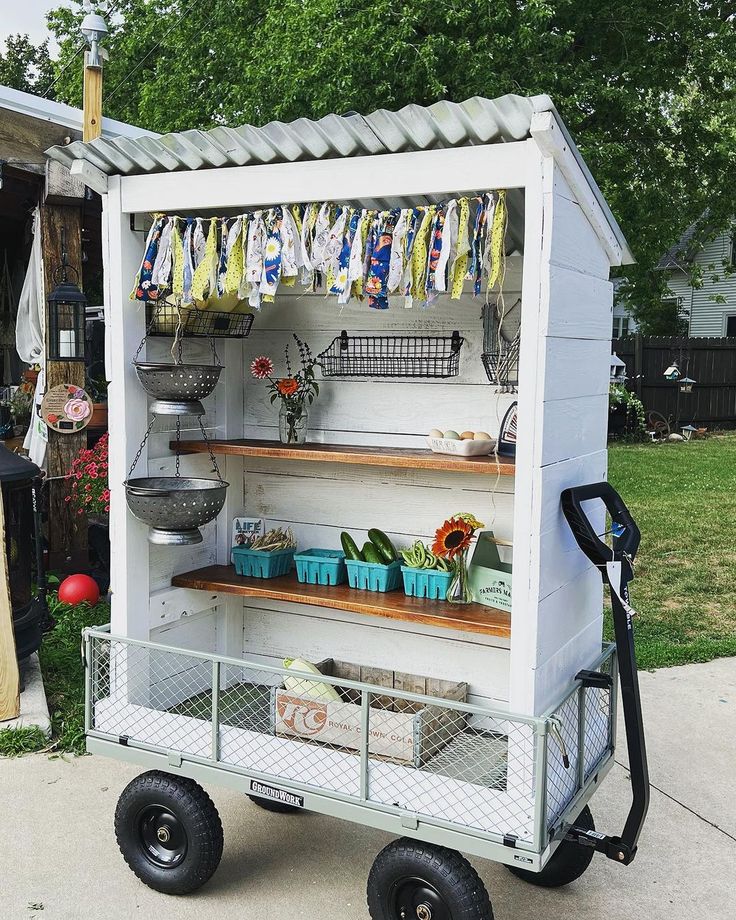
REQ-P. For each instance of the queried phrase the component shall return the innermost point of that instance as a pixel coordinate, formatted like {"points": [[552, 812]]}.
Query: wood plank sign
{"points": [[66, 408]]}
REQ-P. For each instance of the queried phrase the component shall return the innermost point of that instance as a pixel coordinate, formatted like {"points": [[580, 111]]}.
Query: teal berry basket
{"points": [[370, 576], [259, 563], [321, 567], [427, 583]]}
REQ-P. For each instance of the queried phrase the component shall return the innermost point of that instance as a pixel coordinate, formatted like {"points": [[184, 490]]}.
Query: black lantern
{"points": [[67, 318], [21, 486]]}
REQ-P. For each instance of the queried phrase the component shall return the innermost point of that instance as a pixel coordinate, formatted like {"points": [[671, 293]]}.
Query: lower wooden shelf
{"points": [[394, 605]]}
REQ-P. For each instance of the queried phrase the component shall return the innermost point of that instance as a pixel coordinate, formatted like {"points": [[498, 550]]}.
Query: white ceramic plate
{"points": [[461, 448]]}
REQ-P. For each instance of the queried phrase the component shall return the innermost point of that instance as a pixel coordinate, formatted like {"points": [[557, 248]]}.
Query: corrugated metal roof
{"points": [[412, 128]]}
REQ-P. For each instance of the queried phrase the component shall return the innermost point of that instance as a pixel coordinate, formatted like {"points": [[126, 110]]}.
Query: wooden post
{"points": [[67, 536], [92, 101], [638, 363], [9, 676]]}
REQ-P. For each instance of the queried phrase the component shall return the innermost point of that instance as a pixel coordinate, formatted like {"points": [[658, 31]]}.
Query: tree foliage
{"points": [[26, 66], [646, 88]]}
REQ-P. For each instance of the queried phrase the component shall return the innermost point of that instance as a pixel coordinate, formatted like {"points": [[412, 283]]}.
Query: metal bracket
{"points": [[612, 847], [174, 759], [596, 679], [410, 822]]}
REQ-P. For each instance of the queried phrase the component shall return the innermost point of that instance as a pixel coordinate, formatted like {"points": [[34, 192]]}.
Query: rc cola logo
{"points": [[303, 717]]}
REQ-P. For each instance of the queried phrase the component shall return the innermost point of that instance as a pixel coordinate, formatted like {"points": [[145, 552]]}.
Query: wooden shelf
{"points": [[394, 605], [397, 457]]}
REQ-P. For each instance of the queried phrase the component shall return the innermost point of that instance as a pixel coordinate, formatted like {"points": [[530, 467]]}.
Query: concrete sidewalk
{"points": [[58, 853]]}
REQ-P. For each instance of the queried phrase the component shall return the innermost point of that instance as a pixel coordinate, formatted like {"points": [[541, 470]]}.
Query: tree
{"points": [[25, 66], [647, 89]]}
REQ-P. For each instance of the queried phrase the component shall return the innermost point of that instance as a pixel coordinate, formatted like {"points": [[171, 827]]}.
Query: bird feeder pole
{"points": [[94, 30]]}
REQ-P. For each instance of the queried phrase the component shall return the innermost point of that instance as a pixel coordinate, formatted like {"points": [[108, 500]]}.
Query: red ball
{"points": [[79, 588]]}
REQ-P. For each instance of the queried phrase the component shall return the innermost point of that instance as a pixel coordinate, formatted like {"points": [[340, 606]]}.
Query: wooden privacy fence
{"points": [[711, 362]]}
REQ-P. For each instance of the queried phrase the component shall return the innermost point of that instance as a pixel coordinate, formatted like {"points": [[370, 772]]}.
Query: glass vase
{"points": [[459, 591], [293, 418]]}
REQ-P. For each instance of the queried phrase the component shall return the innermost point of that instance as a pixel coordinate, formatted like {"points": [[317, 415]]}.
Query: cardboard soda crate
{"points": [[399, 730]]}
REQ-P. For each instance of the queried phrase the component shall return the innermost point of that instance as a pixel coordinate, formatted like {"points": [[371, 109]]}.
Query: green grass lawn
{"points": [[63, 676], [683, 497]]}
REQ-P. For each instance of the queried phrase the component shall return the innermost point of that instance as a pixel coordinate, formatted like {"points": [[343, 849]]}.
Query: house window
{"points": [[731, 326], [620, 326]]}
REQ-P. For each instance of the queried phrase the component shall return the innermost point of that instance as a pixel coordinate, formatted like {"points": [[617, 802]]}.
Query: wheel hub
{"points": [[161, 836], [417, 899]]}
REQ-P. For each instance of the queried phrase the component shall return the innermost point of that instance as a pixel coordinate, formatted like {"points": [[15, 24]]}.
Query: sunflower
{"points": [[287, 386], [452, 538], [261, 367]]}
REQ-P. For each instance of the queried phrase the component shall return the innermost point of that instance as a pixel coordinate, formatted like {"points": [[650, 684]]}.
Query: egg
{"points": [[467, 435], [451, 435], [482, 436], [436, 433]]}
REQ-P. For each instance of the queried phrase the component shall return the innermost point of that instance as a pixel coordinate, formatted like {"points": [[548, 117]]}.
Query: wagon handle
{"points": [[616, 566]]}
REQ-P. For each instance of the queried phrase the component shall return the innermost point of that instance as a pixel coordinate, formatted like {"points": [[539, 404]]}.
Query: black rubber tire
{"points": [[197, 828], [280, 808], [568, 863], [408, 873]]}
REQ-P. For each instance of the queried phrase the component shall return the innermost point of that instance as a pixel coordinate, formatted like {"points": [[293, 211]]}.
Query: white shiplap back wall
{"points": [[320, 501]]}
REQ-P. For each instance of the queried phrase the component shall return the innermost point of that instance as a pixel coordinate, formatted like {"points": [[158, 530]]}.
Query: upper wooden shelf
{"points": [[411, 458], [393, 605]]}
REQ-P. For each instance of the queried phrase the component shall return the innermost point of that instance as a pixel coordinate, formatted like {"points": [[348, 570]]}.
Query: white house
{"points": [[710, 309]]}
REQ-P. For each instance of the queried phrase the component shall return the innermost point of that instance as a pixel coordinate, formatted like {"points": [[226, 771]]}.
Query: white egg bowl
{"points": [[466, 448]]}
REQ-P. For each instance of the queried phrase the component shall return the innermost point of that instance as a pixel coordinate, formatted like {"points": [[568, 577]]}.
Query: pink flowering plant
{"points": [[89, 492]]}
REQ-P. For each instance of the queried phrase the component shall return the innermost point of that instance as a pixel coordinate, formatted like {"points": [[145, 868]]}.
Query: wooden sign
{"points": [[66, 408]]}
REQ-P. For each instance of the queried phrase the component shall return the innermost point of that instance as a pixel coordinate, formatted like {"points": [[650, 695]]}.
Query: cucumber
{"points": [[371, 554], [350, 547], [385, 547]]}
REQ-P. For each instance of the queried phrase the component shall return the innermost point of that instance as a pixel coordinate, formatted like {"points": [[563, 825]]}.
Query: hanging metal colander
{"points": [[175, 507], [178, 388]]}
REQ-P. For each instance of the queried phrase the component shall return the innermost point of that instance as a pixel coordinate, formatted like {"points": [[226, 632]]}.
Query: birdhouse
{"points": [[618, 369], [687, 384], [672, 372]]}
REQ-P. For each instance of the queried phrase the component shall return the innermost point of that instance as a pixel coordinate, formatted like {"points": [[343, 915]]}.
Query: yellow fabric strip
{"points": [[498, 233], [208, 266]]}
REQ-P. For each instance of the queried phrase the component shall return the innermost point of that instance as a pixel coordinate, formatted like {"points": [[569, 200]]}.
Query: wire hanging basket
{"points": [[392, 356], [501, 342], [163, 319]]}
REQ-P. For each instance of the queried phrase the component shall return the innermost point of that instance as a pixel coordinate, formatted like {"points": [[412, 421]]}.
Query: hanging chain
{"points": [[215, 467], [140, 449], [178, 446], [215, 356], [149, 329]]}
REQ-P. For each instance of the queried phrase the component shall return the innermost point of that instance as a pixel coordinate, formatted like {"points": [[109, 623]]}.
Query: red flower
{"points": [[261, 367], [53, 419], [287, 386]]}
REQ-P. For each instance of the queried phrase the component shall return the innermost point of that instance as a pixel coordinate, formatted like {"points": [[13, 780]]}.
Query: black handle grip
{"points": [[624, 542]]}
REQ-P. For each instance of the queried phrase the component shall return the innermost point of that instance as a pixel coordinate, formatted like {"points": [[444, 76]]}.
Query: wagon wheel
{"points": [[657, 423]]}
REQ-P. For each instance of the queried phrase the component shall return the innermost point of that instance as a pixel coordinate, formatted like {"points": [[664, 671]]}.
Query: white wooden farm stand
{"points": [[564, 241]]}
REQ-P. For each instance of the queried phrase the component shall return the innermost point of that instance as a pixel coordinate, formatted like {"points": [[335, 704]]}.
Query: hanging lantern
{"points": [[688, 431], [618, 369], [67, 315], [686, 384]]}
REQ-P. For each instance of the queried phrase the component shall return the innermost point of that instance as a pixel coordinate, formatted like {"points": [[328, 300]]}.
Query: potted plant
{"points": [[97, 390], [295, 392], [89, 492]]}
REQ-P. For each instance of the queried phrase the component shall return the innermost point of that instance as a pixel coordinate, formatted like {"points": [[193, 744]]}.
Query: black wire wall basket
{"points": [[163, 319], [392, 356]]}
